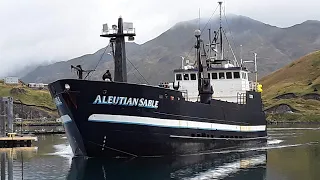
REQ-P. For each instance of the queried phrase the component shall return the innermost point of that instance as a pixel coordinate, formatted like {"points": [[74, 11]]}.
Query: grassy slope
{"points": [[300, 77], [31, 97]]}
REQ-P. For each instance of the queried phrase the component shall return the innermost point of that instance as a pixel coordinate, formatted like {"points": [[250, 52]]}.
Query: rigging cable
{"points": [[235, 59], [234, 44], [137, 71], [113, 54], [98, 61], [141, 82], [203, 30]]}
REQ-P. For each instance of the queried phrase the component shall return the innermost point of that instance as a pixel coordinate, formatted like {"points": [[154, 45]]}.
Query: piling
{"points": [[7, 137], [3, 166]]}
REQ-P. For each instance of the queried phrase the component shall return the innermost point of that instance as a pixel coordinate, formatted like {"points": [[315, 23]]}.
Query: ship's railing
{"points": [[164, 85], [115, 31], [253, 86], [241, 98]]}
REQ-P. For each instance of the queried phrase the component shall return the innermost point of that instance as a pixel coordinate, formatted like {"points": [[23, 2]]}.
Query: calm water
{"points": [[292, 153]]}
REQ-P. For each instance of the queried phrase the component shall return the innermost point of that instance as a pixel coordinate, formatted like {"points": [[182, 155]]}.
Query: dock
{"points": [[16, 141], [18, 149], [8, 138]]}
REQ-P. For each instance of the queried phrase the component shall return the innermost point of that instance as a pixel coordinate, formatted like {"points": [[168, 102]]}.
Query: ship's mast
{"points": [[220, 32], [117, 35], [197, 34], [204, 86]]}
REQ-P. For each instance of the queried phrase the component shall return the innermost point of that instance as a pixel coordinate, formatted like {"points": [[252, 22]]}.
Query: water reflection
{"points": [[301, 161], [292, 153], [9, 163], [216, 166]]}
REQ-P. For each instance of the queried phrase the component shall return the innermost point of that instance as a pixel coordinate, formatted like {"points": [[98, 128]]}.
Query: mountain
{"points": [[293, 92], [157, 58]]}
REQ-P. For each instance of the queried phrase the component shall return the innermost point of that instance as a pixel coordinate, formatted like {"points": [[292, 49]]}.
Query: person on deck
{"points": [[107, 76]]}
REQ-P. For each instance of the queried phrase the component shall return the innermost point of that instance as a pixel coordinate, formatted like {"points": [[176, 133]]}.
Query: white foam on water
{"points": [[274, 141], [284, 134], [63, 150], [264, 148]]}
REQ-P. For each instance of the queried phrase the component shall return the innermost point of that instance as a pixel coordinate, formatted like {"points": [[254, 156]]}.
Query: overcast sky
{"points": [[34, 31]]}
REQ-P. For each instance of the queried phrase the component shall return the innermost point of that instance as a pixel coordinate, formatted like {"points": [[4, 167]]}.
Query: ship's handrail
{"points": [[115, 31], [253, 86]]}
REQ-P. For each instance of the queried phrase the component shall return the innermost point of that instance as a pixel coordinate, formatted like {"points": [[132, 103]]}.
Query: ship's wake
{"points": [[236, 165], [63, 150], [281, 129]]}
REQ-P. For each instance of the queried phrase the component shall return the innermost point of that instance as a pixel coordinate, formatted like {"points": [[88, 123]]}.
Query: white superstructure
{"points": [[227, 82]]}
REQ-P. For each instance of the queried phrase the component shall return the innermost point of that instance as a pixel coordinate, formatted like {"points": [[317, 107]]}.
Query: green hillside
{"points": [[297, 85], [39, 98]]}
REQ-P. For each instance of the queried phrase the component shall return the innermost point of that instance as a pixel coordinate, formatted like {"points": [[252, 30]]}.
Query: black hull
{"points": [[176, 127]]}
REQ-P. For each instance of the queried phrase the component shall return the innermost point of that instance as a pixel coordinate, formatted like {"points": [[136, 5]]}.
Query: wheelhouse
{"points": [[227, 83]]}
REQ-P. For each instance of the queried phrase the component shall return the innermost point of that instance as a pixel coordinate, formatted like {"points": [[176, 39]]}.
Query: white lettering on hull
{"points": [[126, 101]]}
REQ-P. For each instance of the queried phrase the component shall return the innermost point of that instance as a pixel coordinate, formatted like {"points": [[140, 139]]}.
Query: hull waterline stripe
{"points": [[172, 123]]}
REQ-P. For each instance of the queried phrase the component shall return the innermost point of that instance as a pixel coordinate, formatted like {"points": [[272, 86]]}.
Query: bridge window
{"points": [[186, 77], [193, 76], [178, 77], [236, 75], [214, 75], [209, 75], [229, 75], [244, 75], [221, 75]]}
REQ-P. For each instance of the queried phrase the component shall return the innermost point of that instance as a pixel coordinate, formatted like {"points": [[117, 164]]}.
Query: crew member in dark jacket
{"points": [[107, 76]]}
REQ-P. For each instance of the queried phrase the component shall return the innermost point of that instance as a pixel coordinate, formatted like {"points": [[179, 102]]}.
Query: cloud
{"points": [[37, 31]]}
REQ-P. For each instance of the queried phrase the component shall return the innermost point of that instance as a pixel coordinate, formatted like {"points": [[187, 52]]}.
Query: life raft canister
{"points": [[259, 87]]}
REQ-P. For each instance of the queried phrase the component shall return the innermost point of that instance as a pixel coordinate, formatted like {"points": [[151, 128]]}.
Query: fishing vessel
{"points": [[210, 105]]}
